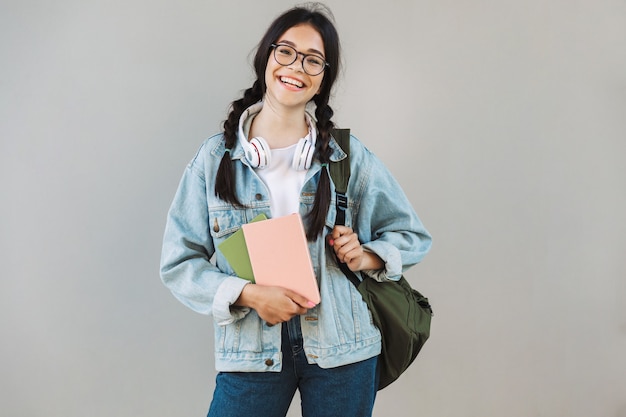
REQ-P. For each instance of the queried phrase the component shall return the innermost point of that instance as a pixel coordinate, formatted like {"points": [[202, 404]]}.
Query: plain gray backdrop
{"points": [[505, 121]]}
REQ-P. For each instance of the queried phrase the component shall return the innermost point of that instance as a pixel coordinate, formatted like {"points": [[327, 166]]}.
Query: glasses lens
{"points": [[313, 65], [285, 55]]}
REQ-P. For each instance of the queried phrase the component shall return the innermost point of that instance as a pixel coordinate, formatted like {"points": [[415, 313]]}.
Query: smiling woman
{"points": [[272, 158], [289, 86]]}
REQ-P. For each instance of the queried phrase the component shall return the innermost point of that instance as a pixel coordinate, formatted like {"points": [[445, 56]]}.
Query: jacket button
{"points": [[258, 196], [269, 362]]}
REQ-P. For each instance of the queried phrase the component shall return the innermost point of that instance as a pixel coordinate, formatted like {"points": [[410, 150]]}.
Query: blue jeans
{"points": [[345, 391]]}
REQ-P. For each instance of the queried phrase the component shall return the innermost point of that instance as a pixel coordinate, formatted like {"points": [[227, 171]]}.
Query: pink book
{"points": [[279, 255]]}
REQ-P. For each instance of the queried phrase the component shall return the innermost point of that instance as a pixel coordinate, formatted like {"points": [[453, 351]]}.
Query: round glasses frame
{"points": [[285, 60]]}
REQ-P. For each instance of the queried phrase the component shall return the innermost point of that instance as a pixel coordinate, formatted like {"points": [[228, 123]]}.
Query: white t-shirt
{"points": [[283, 182]]}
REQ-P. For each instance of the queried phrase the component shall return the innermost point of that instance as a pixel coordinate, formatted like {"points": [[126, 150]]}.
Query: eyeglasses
{"points": [[311, 64]]}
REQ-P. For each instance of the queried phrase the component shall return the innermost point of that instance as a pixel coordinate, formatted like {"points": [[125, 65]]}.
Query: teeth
{"points": [[291, 81]]}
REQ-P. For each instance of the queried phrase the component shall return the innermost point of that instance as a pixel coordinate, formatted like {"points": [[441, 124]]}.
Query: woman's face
{"points": [[290, 85]]}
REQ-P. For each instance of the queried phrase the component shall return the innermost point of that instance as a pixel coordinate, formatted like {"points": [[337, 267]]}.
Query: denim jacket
{"points": [[339, 330]]}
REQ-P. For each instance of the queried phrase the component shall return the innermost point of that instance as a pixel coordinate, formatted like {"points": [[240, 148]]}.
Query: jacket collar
{"points": [[237, 152]]}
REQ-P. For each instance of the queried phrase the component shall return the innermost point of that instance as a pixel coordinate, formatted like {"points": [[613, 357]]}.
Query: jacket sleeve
{"points": [[385, 220], [187, 249]]}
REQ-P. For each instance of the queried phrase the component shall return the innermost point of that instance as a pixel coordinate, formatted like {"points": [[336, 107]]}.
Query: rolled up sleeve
{"points": [[224, 312]]}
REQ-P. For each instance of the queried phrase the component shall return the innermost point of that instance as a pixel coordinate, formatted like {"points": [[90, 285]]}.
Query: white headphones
{"points": [[258, 152]]}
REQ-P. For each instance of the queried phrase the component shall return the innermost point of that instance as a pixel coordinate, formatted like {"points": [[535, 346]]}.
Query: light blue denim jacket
{"points": [[339, 330]]}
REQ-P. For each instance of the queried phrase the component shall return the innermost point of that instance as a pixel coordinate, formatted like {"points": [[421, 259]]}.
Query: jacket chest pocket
{"points": [[225, 222]]}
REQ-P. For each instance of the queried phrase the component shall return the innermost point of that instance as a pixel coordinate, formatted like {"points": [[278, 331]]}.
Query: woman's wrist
{"points": [[246, 298], [371, 261]]}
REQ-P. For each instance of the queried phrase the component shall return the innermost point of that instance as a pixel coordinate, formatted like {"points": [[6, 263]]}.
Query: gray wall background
{"points": [[504, 120]]}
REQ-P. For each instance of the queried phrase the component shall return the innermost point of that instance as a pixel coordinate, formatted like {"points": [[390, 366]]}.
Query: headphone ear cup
{"points": [[258, 153], [303, 155]]}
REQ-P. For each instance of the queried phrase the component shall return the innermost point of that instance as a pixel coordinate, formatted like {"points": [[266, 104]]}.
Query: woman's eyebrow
{"points": [[315, 51]]}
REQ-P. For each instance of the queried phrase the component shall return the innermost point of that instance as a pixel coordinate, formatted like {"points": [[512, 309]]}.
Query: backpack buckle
{"points": [[342, 205]]}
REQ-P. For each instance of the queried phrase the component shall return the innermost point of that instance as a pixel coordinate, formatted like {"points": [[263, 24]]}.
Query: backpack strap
{"points": [[340, 174]]}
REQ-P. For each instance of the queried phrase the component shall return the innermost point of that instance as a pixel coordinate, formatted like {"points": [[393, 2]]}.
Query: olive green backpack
{"points": [[401, 313]]}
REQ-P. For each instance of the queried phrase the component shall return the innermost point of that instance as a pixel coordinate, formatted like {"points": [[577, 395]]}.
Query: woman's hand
{"points": [[273, 304], [349, 250]]}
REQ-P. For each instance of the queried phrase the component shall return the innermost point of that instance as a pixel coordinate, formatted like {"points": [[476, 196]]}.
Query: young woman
{"points": [[272, 158]]}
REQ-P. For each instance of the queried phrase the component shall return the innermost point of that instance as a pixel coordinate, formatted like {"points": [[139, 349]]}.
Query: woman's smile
{"points": [[291, 82]]}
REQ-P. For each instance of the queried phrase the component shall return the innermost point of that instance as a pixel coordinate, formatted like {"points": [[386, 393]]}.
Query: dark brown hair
{"points": [[225, 185]]}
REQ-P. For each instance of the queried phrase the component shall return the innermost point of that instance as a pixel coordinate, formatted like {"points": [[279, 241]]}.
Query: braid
{"points": [[321, 203], [225, 184]]}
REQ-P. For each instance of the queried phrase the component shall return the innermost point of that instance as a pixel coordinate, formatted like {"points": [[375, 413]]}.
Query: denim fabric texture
{"points": [[336, 332], [334, 392]]}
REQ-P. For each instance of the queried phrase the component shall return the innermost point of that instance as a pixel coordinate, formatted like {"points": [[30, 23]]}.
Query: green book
{"points": [[235, 251]]}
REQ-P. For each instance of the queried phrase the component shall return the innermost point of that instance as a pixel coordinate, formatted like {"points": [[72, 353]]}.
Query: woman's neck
{"points": [[280, 126]]}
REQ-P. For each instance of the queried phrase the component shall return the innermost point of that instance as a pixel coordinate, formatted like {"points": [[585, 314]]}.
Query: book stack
{"points": [[273, 252]]}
